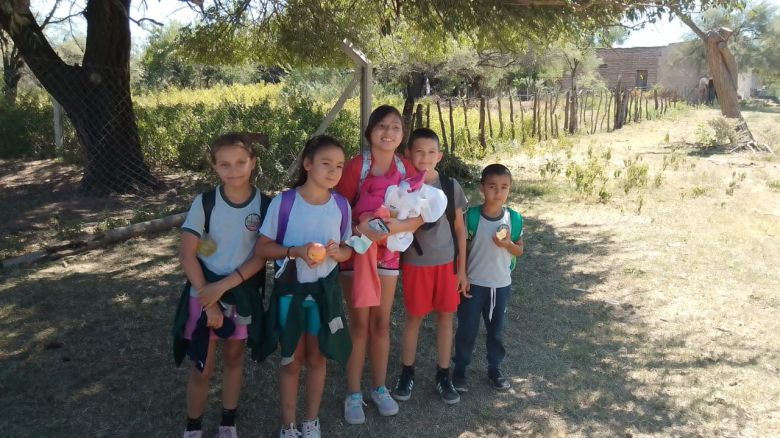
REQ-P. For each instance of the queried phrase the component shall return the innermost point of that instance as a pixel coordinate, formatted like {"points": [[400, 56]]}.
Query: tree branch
{"points": [[685, 18]]}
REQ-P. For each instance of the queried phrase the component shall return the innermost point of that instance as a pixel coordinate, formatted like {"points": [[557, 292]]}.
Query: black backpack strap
{"points": [[265, 201], [448, 186], [208, 199]]}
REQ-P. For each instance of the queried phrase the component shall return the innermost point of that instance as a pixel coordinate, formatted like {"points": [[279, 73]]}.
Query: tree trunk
{"points": [[96, 95], [723, 69], [12, 74], [414, 86]]}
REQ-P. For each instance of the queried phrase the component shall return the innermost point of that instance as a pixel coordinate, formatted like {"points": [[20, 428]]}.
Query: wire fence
{"points": [[123, 142]]}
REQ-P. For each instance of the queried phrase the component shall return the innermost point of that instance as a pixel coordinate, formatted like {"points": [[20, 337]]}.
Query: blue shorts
{"points": [[312, 323]]}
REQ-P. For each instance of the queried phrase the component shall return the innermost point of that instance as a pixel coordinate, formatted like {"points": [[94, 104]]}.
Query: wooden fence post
{"points": [[441, 124], [500, 117], [534, 121], [522, 121], [487, 114], [466, 121], [482, 122], [512, 114], [566, 112], [452, 128]]}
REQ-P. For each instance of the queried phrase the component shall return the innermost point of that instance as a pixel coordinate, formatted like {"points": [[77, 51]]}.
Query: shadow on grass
{"points": [[86, 352]]}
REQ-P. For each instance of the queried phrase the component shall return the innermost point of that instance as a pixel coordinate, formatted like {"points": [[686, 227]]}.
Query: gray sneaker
{"points": [[353, 409], [193, 434], [227, 432], [381, 397]]}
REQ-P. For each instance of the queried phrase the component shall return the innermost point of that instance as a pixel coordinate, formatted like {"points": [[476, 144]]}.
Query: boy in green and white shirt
{"points": [[494, 241]]}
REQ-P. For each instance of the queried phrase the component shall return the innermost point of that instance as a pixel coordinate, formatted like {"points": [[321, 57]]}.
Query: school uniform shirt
{"points": [[437, 243], [234, 228], [488, 264], [308, 223]]}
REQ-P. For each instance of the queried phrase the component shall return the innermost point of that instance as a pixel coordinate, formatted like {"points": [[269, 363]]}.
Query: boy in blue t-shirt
{"points": [[494, 241]]}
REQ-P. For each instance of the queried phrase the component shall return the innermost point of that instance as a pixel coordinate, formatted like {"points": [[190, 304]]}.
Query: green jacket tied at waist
{"points": [[248, 299], [333, 337]]}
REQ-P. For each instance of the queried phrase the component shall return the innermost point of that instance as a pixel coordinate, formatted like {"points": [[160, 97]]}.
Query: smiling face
{"points": [[388, 133], [495, 189], [234, 165], [325, 167], [425, 154]]}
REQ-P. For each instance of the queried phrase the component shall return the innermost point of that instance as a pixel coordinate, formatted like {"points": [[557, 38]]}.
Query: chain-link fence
{"points": [[143, 155]]}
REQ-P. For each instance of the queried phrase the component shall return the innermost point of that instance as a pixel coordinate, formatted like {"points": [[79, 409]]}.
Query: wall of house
{"points": [[625, 62]]}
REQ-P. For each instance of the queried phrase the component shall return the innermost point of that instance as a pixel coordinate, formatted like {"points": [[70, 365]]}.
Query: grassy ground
{"points": [[649, 314]]}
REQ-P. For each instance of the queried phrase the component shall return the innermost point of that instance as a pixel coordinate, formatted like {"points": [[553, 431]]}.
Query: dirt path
{"points": [[651, 318]]}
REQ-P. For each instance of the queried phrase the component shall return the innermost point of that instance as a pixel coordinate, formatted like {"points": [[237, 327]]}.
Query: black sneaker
{"points": [[446, 391], [498, 380], [403, 387], [459, 383]]}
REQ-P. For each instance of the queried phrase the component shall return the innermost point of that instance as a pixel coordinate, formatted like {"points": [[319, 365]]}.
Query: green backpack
{"points": [[515, 221]]}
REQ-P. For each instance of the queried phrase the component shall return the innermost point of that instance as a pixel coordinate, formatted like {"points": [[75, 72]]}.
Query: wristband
{"points": [[288, 251], [240, 275]]}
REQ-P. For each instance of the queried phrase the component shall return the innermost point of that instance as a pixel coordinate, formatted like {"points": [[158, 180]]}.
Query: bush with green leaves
{"points": [[26, 127]]}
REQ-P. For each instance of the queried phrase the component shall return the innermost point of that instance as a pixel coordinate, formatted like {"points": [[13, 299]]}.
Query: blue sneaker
{"points": [[353, 409], [381, 397]]}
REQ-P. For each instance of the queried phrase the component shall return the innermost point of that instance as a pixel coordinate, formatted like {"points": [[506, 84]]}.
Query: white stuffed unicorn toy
{"points": [[412, 198]]}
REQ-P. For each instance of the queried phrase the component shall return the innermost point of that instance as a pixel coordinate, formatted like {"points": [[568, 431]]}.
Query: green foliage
{"points": [[551, 168], [699, 191], [719, 131], [589, 177], [26, 128], [178, 134], [635, 175], [774, 185]]}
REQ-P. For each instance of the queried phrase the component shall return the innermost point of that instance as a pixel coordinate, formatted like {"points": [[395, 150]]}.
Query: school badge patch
{"points": [[252, 222]]}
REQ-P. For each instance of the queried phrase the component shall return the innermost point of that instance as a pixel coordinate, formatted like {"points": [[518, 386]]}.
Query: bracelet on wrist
{"points": [[238, 271], [288, 252]]}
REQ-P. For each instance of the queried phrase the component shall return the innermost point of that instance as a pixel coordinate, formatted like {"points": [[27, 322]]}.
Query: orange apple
{"points": [[317, 252]]}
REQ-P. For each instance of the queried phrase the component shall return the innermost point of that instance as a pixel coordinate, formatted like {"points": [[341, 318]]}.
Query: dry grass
{"points": [[657, 323]]}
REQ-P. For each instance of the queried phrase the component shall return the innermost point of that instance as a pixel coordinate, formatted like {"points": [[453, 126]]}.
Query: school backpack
{"points": [[515, 221], [448, 187], [367, 162]]}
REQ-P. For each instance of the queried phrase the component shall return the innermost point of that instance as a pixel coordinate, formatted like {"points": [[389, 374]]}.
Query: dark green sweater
{"points": [[248, 299], [333, 338]]}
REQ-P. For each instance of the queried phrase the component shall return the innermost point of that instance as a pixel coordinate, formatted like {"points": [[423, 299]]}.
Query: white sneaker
{"points": [[311, 429], [227, 432], [192, 434], [381, 397], [353, 409], [291, 432]]}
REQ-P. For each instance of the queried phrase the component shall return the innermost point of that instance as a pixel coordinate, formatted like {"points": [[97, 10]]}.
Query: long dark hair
{"points": [[377, 115], [314, 145]]}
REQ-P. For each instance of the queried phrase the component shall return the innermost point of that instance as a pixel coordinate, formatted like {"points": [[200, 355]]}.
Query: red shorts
{"points": [[430, 288]]}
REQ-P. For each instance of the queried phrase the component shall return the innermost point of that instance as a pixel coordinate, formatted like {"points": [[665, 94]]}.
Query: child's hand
{"points": [[209, 294], [333, 249], [308, 255], [463, 284], [502, 243], [366, 230], [215, 317]]}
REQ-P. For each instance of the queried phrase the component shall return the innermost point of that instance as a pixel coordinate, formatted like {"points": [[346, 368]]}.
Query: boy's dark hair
{"points": [[377, 115], [423, 133], [495, 169], [310, 150], [231, 139]]}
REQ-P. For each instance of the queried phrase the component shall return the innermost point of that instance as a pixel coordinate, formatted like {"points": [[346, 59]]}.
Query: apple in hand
{"points": [[317, 252]]}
